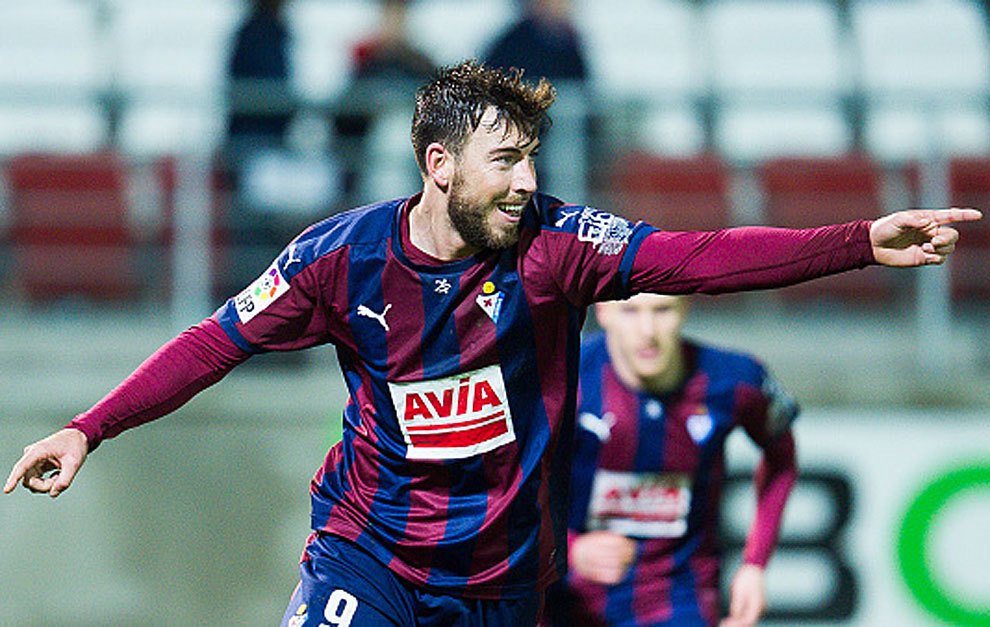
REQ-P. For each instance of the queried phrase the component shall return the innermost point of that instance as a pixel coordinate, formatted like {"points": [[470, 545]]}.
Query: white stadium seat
{"points": [[645, 55], [68, 127], [53, 72], [778, 77], [925, 69], [323, 34], [170, 63], [450, 31]]}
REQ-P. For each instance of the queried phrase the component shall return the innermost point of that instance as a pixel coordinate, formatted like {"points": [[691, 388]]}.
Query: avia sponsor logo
{"points": [[261, 293], [641, 505], [454, 417]]}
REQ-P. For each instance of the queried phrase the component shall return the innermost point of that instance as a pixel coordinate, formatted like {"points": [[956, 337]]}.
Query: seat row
{"points": [[95, 226]]}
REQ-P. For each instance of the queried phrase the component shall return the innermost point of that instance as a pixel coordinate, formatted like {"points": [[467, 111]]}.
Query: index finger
{"points": [[955, 214], [16, 473]]}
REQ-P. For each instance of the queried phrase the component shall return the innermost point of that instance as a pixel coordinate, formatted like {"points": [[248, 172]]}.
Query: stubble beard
{"points": [[470, 219]]}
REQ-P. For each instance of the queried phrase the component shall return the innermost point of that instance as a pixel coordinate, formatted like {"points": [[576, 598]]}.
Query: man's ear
{"points": [[439, 165]]}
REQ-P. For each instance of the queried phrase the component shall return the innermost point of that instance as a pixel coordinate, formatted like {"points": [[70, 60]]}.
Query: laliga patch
{"points": [[490, 301], [454, 417], [263, 292], [607, 233], [640, 504]]}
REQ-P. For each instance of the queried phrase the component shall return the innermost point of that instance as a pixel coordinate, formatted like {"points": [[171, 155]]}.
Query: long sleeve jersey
{"points": [[462, 375], [651, 467]]}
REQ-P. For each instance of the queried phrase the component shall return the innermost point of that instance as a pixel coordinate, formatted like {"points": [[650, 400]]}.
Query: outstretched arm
{"points": [[917, 237], [748, 258], [197, 358]]}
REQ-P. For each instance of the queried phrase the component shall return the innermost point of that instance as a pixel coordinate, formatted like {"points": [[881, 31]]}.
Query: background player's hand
{"points": [[748, 599], [602, 556], [49, 465], [917, 237]]}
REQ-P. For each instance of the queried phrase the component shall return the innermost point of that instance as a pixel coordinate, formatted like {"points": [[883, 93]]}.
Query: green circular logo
{"points": [[913, 544]]}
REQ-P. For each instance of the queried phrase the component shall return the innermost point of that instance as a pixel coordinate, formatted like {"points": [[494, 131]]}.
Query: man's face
{"points": [[493, 180], [643, 333]]}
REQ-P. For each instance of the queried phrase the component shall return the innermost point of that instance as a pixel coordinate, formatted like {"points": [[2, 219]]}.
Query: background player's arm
{"points": [[774, 478]]}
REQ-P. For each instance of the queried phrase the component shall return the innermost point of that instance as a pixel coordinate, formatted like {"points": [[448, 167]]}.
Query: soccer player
{"points": [[654, 412], [456, 315]]}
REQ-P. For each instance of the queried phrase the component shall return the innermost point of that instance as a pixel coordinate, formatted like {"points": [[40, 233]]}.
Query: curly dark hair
{"points": [[450, 106]]}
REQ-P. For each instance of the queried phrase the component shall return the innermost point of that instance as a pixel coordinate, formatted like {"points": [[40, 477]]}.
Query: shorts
{"points": [[341, 585]]}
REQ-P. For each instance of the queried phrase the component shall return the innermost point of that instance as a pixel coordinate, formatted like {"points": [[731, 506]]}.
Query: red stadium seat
{"points": [[674, 194], [813, 192], [69, 227], [969, 186]]}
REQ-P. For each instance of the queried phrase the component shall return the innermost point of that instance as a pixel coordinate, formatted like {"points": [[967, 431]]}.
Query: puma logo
{"points": [[380, 317], [292, 256], [601, 427]]}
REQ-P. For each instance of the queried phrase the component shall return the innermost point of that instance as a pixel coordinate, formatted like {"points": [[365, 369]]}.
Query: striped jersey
{"points": [[462, 375], [651, 468]]}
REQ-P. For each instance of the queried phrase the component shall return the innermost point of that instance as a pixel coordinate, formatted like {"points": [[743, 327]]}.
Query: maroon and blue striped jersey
{"points": [[462, 375], [459, 375], [651, 467]]}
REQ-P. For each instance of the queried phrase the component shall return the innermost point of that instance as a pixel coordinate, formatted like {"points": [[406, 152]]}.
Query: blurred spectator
{"points": [[258, 70], [543, 43], [384, 59], [256, 152]]}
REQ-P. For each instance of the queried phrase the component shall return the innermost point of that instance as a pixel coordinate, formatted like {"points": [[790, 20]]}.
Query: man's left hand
{"points": [[917, 237]]}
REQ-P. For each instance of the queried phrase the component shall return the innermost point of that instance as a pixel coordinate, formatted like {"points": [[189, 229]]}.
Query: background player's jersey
{"points": [[651, 468], [462, 376]]}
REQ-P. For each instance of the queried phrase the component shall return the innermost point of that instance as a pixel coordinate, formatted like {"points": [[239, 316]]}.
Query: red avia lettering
{"points": [[473, 397]]}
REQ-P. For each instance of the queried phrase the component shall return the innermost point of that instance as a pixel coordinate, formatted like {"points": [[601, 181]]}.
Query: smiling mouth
{"points": [[511, 211]]}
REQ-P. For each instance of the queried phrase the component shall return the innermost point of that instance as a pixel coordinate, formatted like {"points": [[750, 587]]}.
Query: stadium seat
{"points": [[802, 193], [323, 34], [52, 76], [674, 194], [969, 186], [52, 127], [170, 61], [647, 70], [69, 227], [777, 78], [924, 72], [453, 30]]}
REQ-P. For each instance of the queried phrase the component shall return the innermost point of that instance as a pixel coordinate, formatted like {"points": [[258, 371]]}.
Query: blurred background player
{"points": [[654, 413]]}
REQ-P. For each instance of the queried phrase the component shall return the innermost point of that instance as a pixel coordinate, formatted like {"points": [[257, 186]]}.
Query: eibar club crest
{"points": [[490, 300]]}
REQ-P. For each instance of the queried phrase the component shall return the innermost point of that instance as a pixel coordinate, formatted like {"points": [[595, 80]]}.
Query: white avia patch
{"points": [[454, 417], [640, 505], [260, 294]]}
